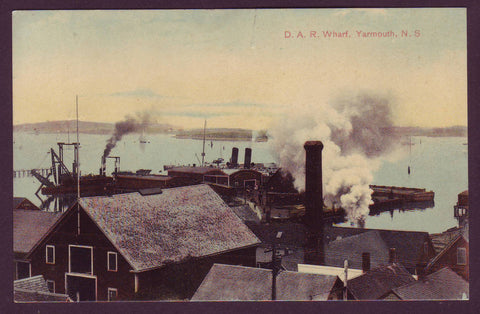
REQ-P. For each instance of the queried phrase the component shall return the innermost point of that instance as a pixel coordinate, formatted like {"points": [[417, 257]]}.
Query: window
{"points": [[51, 286], [23, 270], [50, 254], [112, 261], [81, 259], [461, 256], [112, 294]]}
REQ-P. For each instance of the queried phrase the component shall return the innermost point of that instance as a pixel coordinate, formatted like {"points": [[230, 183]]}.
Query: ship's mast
{"points": [[203, 151], [77, 152]]}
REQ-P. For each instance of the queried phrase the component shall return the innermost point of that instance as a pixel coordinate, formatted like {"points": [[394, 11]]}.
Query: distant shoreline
{"points": [[217, 134]]}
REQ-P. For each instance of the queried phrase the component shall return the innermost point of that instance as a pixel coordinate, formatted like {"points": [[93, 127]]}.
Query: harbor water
{"points": [[439, 164]]}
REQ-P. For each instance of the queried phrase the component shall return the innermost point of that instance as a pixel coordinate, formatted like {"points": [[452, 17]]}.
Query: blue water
{"points": [[438, 164]]}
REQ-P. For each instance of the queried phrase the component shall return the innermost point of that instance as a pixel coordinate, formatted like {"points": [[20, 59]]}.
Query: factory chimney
{"points": [[234, 159], [314, 203], [313, 183], [248, 158]]}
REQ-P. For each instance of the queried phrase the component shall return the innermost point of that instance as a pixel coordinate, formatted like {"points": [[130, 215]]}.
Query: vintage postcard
{"points": [[240, 155]]}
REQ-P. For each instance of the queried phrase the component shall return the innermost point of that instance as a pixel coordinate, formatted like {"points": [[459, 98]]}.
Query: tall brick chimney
{"points": [[313, 183], [314, 203]]}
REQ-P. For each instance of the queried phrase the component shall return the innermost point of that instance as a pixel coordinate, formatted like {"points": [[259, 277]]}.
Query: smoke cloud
{"points": [[131, 124], [355, 130]]}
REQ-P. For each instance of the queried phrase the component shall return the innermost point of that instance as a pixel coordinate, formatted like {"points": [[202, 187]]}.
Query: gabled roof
{"points": [[379, 281], [351, 248], [34, 289], [461, 234], [444, 284], [239, 283], [442, 240], [151, 231], [30, 226], [17, 201], [408, 244]]}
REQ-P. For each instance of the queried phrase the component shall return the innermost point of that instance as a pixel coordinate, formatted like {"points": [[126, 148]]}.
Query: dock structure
{"points": [[28, 172]]}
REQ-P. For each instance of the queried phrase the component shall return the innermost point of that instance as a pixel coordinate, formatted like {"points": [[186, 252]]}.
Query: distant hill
{"points": [[454, 131], [84, 127], [223, 134]]}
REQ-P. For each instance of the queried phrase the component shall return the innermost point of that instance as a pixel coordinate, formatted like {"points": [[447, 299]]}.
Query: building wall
{"points": [[65, 235], [449, 259]]}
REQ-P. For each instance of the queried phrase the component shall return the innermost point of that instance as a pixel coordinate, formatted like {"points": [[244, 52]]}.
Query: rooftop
{"points": [[29, 227], [151, 231], [34, 289], [239, 283], [379, 281], [444, 284]]}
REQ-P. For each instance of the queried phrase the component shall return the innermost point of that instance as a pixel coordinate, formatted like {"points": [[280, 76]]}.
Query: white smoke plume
{"points": [[355, 130]]}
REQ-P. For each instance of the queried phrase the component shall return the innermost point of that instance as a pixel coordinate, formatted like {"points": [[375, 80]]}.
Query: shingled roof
{"points": [[29, 227], [34, 289], [378, 282], [351, 249], [408, 245], [444, 284], [151, 231], [239, 283]]}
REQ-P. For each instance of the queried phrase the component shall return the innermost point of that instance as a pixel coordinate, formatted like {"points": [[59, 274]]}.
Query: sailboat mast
{"points": [[203, 151]]}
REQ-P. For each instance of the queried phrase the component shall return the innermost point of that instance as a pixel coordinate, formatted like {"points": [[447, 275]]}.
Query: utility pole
{"points": [[276, 264], [345, 265]]}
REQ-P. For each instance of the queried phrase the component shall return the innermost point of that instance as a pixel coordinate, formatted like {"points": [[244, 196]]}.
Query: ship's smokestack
{"points": [[248, 158], [313, 184], [234, 160], [103, 166]]}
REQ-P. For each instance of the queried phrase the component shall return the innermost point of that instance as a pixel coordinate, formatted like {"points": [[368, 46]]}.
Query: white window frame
{"points": [[70, 259], [464, 250], [52, 281], [108, 293], [108, 261], [46, 253]]}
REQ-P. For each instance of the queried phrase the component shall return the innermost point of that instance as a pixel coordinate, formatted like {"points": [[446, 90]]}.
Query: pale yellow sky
{"points": [[235, 68]]}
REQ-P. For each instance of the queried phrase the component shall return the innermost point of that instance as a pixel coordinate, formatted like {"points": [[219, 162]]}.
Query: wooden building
{"points": [[149, 247], [454, 255], [29, 228]]}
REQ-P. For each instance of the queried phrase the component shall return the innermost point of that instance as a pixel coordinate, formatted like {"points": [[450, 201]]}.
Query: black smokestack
{"points": [[103, 166], [248, 158], [314, 203], [313, 184], [234, 160]]}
